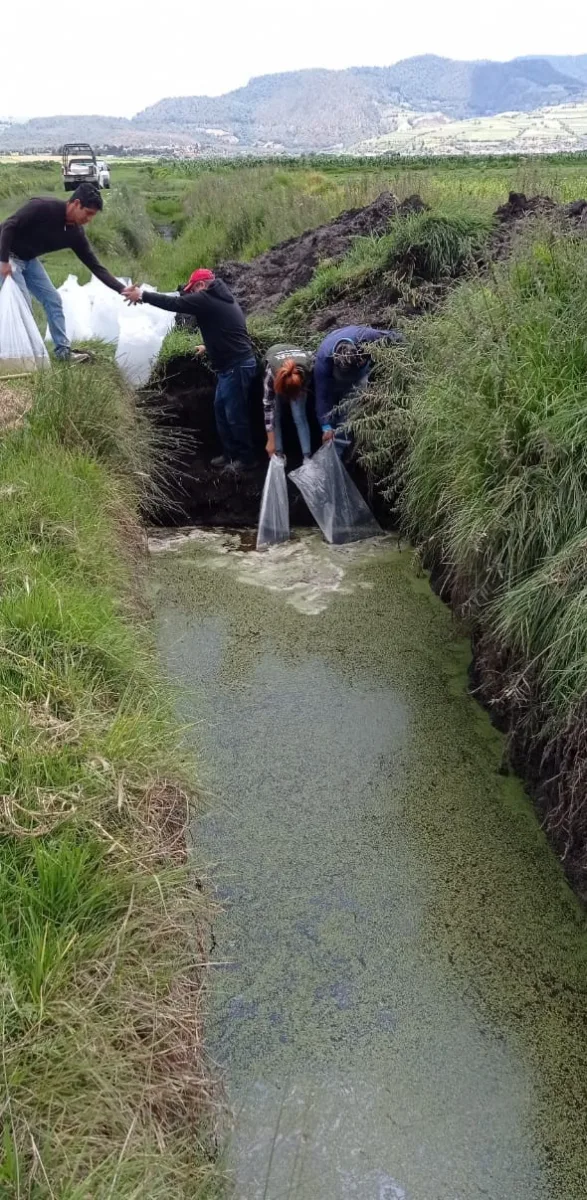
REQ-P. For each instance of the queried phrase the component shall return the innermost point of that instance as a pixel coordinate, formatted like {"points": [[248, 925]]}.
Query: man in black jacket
{"points": [[226, 340], [43, 225]]}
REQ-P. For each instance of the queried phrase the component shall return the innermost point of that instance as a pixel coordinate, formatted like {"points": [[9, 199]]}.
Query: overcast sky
{"points": [[117, 56]]}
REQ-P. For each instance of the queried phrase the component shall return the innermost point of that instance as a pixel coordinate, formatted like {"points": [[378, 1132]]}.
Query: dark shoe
{"points": [[250, 466], [219, 461], [75, 357], [237, 467]]}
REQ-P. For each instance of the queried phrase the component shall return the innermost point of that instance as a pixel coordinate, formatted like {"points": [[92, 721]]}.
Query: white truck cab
{"points": [[80, 165]]}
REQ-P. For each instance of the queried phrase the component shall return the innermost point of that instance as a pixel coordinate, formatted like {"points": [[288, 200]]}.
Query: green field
{"points": [[236, 210]]}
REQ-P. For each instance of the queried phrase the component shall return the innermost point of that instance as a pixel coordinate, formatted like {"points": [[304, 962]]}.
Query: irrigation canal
{"points": [[400, 993]]}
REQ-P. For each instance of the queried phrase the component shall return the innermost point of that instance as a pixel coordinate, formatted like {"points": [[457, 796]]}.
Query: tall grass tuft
{"points": [[237, 214], [124, 231], [105, 1091]]}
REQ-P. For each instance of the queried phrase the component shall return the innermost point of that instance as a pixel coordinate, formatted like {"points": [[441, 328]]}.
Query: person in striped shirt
{"points": [[287, 374]]}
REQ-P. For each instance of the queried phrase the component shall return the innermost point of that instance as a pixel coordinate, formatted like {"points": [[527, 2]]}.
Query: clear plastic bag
{"points": [[21, 345], [274, 515], [77, 310], [333, 499]]}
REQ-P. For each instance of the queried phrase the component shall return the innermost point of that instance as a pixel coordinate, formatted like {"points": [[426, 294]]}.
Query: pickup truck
{"points": [[78, 165]]}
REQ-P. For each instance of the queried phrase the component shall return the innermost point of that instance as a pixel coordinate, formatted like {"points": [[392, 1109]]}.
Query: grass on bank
{"points": [[105, 1092], [480, 427]]}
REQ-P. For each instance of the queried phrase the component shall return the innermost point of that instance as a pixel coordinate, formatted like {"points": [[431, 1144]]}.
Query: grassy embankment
{"points": [[105, 1092], [479, 428]]}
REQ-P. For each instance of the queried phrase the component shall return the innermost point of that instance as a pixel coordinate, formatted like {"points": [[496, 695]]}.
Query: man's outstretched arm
{"points": [[179, 304], [82, 248]]}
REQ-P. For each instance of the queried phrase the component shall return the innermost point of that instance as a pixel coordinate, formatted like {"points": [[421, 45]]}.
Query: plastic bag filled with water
{"points": [[21, 345], [334, 500], [274, 515]]}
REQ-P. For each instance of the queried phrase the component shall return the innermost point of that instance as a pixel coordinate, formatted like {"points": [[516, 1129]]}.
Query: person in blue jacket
{"points": [[341, 370]]}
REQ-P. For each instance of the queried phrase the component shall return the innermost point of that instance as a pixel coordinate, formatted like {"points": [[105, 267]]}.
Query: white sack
{"points": [[107, 308], [21, 344], [138, 346], [160, 319], [77, 310]]}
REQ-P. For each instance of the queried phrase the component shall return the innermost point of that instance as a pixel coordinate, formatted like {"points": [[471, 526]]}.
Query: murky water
{"points": [[400, 995]]}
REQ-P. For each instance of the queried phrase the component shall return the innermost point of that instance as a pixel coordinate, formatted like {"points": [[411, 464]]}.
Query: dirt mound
{"points": [[519, 209], [518, 206], [262, 284], [406, 289]]}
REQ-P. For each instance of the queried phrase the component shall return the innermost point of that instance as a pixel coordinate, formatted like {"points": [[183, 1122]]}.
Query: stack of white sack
{"points": [[91, 310], [21, 344], [160, 319], [96, 311], [107, 308]]}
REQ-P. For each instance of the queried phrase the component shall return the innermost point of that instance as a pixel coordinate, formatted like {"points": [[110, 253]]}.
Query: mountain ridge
{"points": [[321, 110]]}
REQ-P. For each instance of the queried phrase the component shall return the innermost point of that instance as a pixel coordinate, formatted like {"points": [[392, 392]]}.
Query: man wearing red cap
{"points": [[226, 340]]}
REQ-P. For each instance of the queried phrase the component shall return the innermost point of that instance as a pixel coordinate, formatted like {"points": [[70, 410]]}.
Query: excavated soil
{"points": [[262, 284], [520, 210], [405, 292]]}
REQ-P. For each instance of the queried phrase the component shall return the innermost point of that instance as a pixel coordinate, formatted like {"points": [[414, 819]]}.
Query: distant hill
{"points": [[324, 110], [321, 109], [541, 131]]}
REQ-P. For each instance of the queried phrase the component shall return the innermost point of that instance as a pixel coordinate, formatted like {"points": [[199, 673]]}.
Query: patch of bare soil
{"points": [[513, 216], [14, 403]]}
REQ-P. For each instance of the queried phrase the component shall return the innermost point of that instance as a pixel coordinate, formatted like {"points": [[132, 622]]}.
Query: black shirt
{"points": [[221, 321], [39, 227]]}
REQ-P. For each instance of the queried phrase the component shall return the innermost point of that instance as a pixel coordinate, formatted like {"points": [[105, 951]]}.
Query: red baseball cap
{"points": [[202, 275]]}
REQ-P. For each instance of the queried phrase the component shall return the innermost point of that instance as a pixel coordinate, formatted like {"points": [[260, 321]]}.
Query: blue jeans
{"points": [[33, 280], [231, 409], [342, 438], [298, 412]]}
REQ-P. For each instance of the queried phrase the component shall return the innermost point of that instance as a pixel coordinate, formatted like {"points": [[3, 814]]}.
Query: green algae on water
{"points": [[402, 967]]}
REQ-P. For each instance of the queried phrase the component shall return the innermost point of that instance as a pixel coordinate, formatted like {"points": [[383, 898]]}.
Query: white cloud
{"points": [[116, 57]]}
